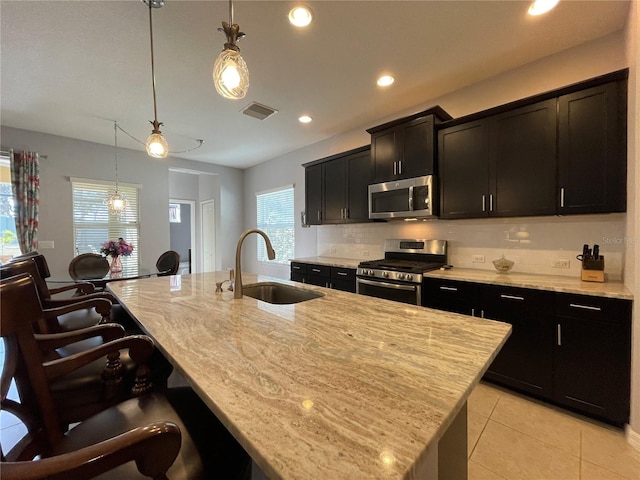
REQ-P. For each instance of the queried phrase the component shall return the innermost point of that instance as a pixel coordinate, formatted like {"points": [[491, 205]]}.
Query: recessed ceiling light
{"points": [[305, 119], [300, 16], [385, 80], [538, 7]]}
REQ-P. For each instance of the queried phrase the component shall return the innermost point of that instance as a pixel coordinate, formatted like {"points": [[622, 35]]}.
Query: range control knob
{"points": [[401, 276], [372, 273], [409, 276], [385, 274]]}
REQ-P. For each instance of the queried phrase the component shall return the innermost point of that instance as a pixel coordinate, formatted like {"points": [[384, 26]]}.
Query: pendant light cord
{"points": [[153, 70], [230, 12], [115, 135]]}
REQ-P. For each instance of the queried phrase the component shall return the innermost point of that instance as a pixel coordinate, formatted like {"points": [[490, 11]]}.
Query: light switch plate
{"points": [[45, 244], [478, 259]]}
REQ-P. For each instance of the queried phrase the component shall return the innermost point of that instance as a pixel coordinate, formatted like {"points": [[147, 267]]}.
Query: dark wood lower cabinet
{"points": [[339, 278], [593, 356], [526, 360], [571, 350]]}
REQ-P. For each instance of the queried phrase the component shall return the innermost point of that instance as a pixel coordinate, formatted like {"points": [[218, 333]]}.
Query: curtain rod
{"points": [[6, 153]]}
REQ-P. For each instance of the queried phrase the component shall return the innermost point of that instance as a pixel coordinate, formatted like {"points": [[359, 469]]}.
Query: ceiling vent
{"points": [[261, 112]]}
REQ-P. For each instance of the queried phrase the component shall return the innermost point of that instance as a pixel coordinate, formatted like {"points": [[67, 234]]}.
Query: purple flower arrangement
{"points": [[116, 248]]}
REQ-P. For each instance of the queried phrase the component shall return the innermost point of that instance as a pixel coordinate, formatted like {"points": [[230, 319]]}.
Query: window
{"points": [[275, 217], [9, 245], [92, 223]]}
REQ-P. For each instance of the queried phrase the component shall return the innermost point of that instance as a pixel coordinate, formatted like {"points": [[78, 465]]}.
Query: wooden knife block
{"points": [[593, 270]]}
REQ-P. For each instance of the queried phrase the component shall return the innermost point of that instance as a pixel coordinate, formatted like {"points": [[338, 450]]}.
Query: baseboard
{"points": [[633, 437]]}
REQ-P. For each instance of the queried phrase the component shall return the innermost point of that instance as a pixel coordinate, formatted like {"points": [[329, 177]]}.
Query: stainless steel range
{"points": [[398, 276]]}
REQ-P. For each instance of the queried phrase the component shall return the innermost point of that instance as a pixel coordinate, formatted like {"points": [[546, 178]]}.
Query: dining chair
{"points": [[155, 435], [88, 266], [168, 263]]}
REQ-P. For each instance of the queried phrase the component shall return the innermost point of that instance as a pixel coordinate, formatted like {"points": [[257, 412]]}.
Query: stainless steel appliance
{"points": [[398, 276], [412, 197]]}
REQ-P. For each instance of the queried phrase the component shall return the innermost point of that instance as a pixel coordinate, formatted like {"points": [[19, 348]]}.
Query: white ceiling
{"points": [[70, 68]]}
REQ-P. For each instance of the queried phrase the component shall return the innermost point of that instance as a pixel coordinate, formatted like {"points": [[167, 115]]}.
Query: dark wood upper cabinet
{"points": [[405, 148], [464, 170], [313, 194], [522, 161], [337, 186], [592, 150], [557, 153]]}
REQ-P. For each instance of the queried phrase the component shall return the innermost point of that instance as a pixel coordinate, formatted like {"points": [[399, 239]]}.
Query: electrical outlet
{"points": [[332, 251], [478, 259], [365, 253], [45, 244], [560, 263]]}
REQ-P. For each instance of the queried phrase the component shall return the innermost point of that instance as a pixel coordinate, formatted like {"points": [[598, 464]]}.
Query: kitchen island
{"points": [[338, 387]]}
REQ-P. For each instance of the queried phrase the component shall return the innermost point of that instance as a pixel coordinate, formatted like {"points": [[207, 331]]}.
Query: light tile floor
{"points": [[512, 437]]}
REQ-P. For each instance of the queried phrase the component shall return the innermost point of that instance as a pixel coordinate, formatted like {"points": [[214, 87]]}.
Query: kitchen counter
{"points": [[341, 387], [330, 261], [554, 283]]}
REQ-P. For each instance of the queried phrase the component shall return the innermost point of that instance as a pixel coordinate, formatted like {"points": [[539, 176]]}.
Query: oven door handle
{"points": [[411, 288]]}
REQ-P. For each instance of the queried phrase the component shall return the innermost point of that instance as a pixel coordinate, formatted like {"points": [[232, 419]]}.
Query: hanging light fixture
{"points": [[115, 201], [230, 72], [156, 145]]}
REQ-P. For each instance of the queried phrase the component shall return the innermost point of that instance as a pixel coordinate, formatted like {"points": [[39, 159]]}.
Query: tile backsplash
{"points": [[535, 244]]}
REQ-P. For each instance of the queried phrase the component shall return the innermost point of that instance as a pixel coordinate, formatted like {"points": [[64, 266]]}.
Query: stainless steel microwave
{"points": [[412, 197]]}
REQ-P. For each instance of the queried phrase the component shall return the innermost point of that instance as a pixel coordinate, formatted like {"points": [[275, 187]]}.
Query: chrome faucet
{"points": [[237, 290]]}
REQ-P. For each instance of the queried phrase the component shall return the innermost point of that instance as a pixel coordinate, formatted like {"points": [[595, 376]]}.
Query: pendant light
{"points": [[230, 72], [116, 202], [156, 145]]}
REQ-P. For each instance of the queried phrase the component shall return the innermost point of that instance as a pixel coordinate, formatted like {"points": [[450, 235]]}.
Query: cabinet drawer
{"points": [[507, 303], [450, 289], [319, 270], [593, 308], [298, 267], [339, 273]]}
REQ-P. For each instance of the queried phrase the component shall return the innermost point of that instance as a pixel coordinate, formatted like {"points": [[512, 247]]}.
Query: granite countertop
{"points": [[554, 283], [339, 387], [330, 261]]}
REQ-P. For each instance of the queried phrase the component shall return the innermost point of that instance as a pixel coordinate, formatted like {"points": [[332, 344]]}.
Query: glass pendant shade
{"points": [[116, 203], [156, 145], [231, 74]]}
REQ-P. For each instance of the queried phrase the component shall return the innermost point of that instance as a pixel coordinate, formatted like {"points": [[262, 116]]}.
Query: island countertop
{"points": [[339, 387]]}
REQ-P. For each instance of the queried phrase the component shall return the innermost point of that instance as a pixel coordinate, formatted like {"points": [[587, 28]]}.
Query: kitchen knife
{"points": [[585, 251], [596, 251]]}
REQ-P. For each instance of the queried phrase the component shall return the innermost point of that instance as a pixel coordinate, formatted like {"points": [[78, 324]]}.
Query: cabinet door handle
{"points": [[317, 270], [473, 312], [296, 268], [481, 313], [451, 289], [511, 297], [484, 203], [346, 213], [395, 168], [562, 196], [585, 307], [319, 218], [399, 167], [344, 274], [559, 336], [491, 202]]}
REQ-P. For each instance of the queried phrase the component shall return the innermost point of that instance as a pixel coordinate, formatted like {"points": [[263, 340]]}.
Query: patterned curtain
{"points": [[25, 180]]}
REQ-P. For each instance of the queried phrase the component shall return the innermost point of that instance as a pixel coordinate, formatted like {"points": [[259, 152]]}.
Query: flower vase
{"points": [[116, 264]]}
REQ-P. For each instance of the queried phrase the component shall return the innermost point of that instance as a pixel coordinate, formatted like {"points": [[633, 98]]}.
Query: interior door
{"points": [[182, 232], [208, 236]]}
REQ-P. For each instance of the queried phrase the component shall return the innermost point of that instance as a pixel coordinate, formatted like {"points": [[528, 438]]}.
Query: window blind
{"points": [[275, 216], [92, 223]]}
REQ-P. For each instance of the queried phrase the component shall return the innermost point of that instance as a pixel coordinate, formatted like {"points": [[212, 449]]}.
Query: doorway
{"points": [[182, 233], [207, 221]]}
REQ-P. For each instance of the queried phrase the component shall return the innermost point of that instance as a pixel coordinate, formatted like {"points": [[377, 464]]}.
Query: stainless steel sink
{"points": [[279, 293]]}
